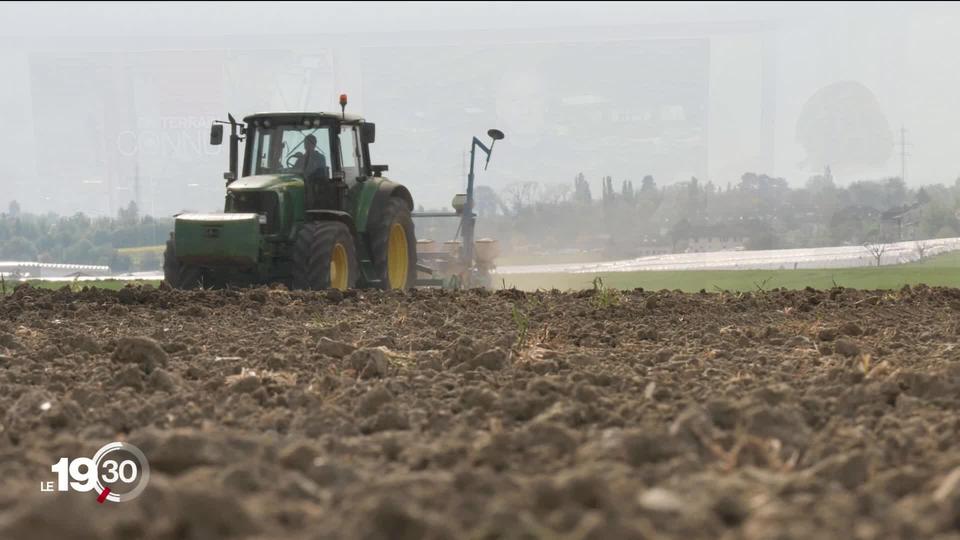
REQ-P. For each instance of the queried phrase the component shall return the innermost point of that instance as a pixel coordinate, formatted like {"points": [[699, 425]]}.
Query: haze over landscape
{"points": [[109, 103]]}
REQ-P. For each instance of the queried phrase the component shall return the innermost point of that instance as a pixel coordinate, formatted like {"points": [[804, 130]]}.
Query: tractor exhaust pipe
{"points": [[234, 145], [216, 138]]}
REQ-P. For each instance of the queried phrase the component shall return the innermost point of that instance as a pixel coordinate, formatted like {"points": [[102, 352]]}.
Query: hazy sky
{"points": [[755, 67], [99, 19]]}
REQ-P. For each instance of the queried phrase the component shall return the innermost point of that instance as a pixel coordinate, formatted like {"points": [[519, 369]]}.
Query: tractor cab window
{"points": [[291, 149], [261, 148], [349, 158]]}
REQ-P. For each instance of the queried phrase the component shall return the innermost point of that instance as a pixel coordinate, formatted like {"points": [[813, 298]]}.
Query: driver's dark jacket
{"points": [[311, 164], [316, 184]]}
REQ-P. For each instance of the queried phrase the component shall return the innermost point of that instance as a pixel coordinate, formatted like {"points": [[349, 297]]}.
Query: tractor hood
{"points": [[279, 197], [266, 182]]}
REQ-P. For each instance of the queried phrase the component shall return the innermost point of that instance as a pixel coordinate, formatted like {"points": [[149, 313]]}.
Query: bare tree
{"points": [[921, 247], [520, 195], [552, 194], [876, 250], [512, 197]]}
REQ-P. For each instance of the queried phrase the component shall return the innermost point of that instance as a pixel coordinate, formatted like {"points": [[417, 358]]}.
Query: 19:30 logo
{"points": [[118, 472]]}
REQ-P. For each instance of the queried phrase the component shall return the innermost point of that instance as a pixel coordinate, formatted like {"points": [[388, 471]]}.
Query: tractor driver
{"points": [[312, 162]]}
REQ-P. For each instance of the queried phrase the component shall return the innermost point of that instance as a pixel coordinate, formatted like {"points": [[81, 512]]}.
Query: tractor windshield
{"points": [[290, 149]]}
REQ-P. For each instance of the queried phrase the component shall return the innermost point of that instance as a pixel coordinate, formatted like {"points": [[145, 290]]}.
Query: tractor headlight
{"points": [[262, 218]]}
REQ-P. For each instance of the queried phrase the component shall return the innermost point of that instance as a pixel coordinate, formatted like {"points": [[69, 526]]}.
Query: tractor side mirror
{"points": [[368, 133], [216, 134]]}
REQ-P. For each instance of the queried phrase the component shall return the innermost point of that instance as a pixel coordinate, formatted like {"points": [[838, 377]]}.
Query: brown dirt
{"points": [[267, 413]]}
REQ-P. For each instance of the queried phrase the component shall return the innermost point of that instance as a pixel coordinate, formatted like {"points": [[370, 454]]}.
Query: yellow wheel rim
{"points": [[397, 261], [339, 269]]}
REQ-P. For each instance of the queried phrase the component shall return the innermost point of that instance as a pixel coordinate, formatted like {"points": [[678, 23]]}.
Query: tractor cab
{"points": [[327, 152]]}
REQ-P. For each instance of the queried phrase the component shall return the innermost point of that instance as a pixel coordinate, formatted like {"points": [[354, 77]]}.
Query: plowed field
{"points": [[436, 414]]}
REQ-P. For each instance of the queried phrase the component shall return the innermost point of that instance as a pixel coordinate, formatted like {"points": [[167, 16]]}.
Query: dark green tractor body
{"points": [[307, 213]]}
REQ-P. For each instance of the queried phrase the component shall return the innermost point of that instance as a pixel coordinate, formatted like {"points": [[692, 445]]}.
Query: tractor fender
{"points": [[335, 215], [385, 191]]}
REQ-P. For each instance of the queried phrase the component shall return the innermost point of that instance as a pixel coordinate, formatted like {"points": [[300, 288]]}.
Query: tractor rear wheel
{"points": [[179, 276], [324, 257], [395, 247]]}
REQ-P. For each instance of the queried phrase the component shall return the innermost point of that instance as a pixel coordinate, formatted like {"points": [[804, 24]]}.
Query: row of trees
{"points": [[80, 239], [763, 209]]}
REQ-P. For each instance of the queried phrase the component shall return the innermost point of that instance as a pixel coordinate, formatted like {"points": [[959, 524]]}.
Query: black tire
{"points": [[312, 253], [179, 276], [395, 212]]}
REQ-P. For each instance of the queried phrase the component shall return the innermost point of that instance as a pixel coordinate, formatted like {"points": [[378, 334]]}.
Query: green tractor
{"points": [[307, 209]]}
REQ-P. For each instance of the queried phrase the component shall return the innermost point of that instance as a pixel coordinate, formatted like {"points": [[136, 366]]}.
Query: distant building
{"points": [[651, 251], [900, 222], [720, 237]]}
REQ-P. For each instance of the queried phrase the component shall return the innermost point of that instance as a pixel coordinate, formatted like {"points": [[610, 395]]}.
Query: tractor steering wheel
{"points": [[292, 160]]}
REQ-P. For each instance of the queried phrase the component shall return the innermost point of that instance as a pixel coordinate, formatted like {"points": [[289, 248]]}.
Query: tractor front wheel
{"points": [[395, 247], [179, 276], [324, 257]]}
